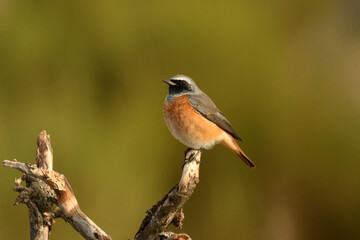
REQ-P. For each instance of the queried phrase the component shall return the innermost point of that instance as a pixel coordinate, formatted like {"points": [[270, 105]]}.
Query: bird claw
{"points": [[192, 157]]}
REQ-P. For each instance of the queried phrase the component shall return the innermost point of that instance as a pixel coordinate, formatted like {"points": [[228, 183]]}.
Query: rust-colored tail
{"points": [[245, 158], [232, 145]]}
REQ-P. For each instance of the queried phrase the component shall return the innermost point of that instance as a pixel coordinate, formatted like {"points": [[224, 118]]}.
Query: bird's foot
{"points": [[192, 156], [186, 151]]}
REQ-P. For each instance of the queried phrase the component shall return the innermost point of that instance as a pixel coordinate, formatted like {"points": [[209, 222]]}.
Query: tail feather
{"points": [[245, 158], [232, 145]]}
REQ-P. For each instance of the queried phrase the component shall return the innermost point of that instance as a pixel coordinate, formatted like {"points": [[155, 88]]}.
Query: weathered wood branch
{"points": [[40, 197], [172, 236], [40, 217], [169, 209], [48, 195]]}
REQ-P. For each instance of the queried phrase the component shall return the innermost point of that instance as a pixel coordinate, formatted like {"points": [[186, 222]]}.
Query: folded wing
{"points": [[206, 107]]}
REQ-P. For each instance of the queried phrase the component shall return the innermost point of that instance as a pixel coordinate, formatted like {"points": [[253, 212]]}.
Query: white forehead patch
{"points": [[182, 77]]}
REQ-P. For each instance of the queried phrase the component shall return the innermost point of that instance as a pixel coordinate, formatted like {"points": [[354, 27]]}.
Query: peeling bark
{"points": [[169, 209], [48, 194]]}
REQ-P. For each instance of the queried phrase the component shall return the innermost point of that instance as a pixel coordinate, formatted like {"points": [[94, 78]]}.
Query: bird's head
{"points": [[180, 85]]}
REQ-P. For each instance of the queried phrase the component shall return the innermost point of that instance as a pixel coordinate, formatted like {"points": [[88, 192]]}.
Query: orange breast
{"points": [[188, 126]]}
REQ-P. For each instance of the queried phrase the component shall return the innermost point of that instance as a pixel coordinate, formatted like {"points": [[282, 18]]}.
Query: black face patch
{"points": [[180, 87]]}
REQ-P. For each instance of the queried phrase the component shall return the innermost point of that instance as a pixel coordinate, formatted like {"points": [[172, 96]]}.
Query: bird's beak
{"points": [[169, 82]]}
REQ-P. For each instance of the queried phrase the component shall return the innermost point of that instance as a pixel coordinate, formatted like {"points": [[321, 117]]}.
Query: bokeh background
{"points": [[285, 73]]}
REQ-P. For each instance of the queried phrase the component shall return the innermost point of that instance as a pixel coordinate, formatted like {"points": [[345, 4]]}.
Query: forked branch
{"points": [[57, 191], [48, 195]]}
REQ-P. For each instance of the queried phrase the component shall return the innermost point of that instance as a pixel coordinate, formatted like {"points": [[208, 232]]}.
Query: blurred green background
{"points": [[285, 73]]}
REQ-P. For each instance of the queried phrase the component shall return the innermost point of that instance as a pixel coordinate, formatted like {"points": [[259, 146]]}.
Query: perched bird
{"points": [[195, 121]]}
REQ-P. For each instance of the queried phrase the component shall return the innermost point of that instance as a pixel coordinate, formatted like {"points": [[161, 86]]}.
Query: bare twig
{"points": [[39, 218], [58, 190], [166, 211], [44, 152]]}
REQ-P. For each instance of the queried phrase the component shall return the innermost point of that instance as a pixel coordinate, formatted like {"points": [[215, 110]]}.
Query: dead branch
{"points": [[45, 188], [169, 209], [172, 236], [48, 195]]}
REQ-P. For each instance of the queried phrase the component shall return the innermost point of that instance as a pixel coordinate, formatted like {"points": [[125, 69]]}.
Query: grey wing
{"points": [[206, 107]]}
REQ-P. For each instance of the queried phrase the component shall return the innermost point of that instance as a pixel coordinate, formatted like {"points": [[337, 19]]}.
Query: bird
{"points": [[193, 118]]}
